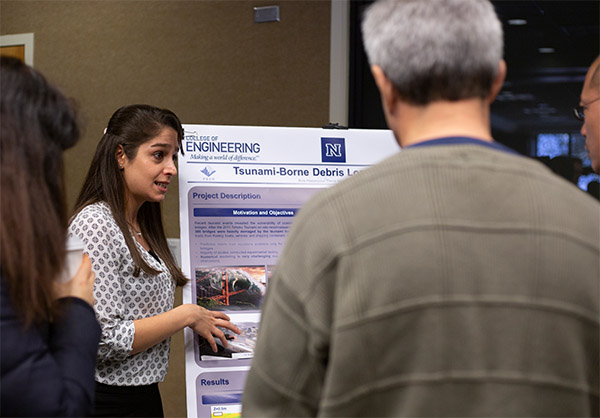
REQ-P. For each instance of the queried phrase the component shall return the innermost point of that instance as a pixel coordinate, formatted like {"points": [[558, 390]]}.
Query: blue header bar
{"points": [[242, 212]]}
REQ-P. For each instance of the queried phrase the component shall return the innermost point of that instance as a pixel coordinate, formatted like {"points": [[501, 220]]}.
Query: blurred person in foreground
{"points": [[48, 332], [588, 112], [455, 278]]}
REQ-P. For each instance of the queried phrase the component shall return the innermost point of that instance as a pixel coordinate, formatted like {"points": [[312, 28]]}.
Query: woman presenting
{"points": [[118, 217]]}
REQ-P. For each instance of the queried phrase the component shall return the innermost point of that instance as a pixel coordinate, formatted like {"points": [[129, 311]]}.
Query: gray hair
{"points": [[435, 49]]}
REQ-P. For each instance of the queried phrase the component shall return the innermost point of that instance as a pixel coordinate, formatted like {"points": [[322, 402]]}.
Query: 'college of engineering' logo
{"points": [[333, 150]]}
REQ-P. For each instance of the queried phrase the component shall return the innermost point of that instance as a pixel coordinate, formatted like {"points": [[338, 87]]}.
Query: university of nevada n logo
{"points": [[333, 150]]}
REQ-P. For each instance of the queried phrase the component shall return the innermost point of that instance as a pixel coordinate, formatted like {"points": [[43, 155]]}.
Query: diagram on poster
{"points": [[240, 188]]}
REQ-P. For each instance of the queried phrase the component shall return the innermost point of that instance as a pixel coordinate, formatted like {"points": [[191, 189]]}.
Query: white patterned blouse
{"points": [[122, 298]]}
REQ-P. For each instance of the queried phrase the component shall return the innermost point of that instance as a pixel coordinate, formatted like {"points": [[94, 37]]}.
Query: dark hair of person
{"points": [[593, 188], [130, 127], [37, 123]]}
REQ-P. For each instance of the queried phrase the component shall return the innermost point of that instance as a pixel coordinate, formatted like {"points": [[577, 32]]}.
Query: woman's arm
{"points": [[121, 338], [104, 244], [151, 331]]}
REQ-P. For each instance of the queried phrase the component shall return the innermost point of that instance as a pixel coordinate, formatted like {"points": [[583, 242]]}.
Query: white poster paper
{"points": [[239, 189]]}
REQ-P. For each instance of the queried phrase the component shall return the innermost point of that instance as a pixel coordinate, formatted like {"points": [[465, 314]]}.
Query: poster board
{"points": [[239, 189]]}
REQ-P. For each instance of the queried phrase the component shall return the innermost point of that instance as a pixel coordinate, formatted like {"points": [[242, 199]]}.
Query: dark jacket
{"points": [[48, 369]]}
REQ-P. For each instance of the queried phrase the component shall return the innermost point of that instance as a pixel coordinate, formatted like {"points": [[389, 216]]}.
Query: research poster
{"points": [[240, 188]]}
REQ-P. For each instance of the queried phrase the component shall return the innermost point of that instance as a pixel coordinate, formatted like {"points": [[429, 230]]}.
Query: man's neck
{"points": [[414, 124]]}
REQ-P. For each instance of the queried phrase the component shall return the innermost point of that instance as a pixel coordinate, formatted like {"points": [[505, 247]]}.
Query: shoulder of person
{"points": [[95, 218]]}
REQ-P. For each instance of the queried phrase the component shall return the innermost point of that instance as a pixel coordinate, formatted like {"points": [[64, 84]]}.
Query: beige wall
{"points": [[205, 60]]}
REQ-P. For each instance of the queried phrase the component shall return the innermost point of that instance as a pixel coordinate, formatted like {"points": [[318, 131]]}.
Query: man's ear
{"points": [[498, 81], [386, 89]]}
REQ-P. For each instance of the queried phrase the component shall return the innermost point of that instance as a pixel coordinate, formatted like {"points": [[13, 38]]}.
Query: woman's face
{"points": [[148, 174]]}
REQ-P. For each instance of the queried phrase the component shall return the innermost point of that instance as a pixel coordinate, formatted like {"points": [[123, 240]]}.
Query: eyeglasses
{"points": [[578, 111]]}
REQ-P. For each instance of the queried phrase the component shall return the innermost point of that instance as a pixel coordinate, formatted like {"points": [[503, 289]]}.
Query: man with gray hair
{"points": [[455, 278]]}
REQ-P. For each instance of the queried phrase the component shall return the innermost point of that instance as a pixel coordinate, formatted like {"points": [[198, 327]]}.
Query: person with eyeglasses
{"points": [[589, 113]]}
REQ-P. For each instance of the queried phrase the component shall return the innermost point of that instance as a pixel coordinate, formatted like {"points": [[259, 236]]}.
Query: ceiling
{"points": [[541, 87]]}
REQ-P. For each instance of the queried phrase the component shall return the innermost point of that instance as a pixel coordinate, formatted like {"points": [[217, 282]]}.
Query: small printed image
{"points": [[238, 346], [238, 288]]}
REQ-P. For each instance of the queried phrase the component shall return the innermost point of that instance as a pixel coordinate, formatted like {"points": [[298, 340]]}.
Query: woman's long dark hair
{"points": [[130, 127], [37, 123]]}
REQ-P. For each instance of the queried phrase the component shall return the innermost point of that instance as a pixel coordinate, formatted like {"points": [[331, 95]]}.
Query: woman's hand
{"points": [[154, 329], [205, 323], [81, 285]]}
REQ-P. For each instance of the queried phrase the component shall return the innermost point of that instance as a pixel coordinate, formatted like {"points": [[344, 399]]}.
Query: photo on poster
{"points": [[239, 347], [231, 288]]}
